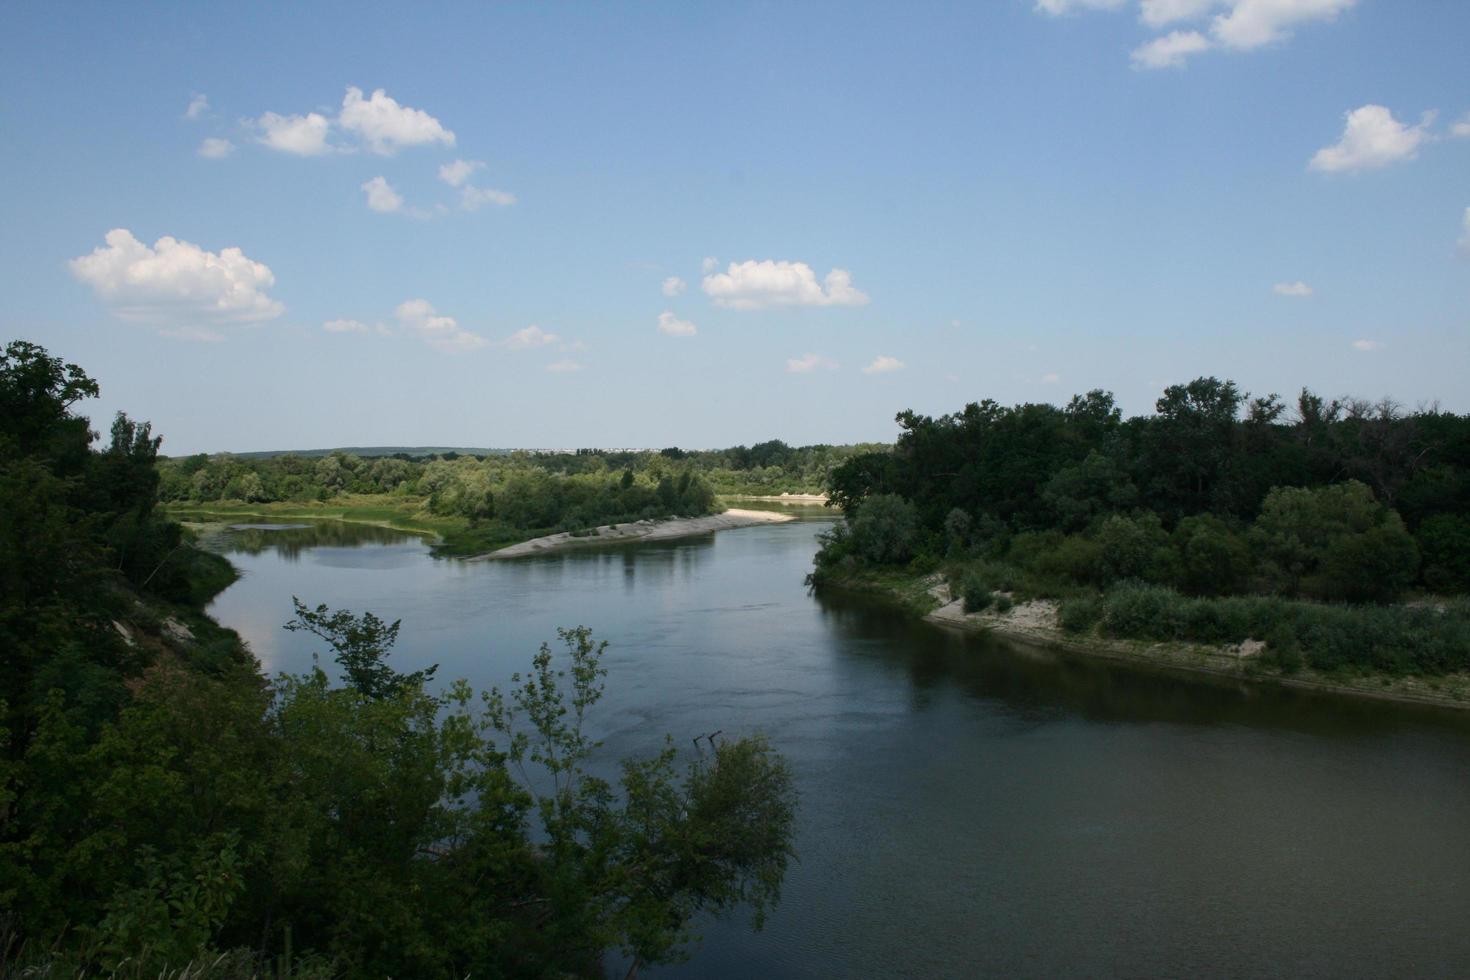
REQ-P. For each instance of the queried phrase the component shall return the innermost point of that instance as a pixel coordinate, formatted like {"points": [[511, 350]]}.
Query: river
{"points": [[968, 807]]}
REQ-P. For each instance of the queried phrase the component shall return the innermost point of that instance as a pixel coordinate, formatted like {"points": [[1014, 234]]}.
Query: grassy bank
{"points": [[1413, 653]]}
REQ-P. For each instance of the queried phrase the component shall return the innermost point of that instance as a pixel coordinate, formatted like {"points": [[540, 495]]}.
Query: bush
{"points": [[1444, 541], [976, 592], [1081, 614], [1002, 603]]}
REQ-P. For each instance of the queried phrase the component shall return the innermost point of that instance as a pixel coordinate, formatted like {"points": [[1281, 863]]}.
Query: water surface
{"points": [[969, 807]]}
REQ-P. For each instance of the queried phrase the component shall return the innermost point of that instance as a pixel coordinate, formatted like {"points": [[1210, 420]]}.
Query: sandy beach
{"points": [[678, 527]]}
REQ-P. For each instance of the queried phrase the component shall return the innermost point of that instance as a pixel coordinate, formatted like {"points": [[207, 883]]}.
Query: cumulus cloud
{"points": [[304, 136], [807, 363], [564, 367], [1298, 289], [1159, 13], [215, 148], [1460, 128], [381, 196], [530, 337], [345, 326], [675, 327], [1237, 25], [882, 364], [457, 173], [1170, 50], [1371, 139], [442, 333], [1367, 345], [673, 286], [384, 126], [198, 106], [753, 285], [177, 281], [473, 198], [1253, 23], [710, 264]]}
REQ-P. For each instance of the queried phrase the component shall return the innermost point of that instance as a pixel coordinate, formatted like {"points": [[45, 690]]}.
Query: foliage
{"points": [[164, 811], [885, 530]]}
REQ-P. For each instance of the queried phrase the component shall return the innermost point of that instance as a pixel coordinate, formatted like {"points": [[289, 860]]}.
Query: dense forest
{"points": [[1139, 522], [165, 810]]}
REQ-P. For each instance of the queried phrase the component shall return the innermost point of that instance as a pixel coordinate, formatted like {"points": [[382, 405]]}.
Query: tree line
{"points": [[1215, 494], [167, 810]]}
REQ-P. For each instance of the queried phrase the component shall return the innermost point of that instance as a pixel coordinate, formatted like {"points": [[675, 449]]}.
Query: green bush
{"points": [[1081, 614], [1002, 603], [976, 592]]}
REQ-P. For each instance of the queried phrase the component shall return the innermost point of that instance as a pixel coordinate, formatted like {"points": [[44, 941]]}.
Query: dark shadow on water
{"points": [[1036, 683]]}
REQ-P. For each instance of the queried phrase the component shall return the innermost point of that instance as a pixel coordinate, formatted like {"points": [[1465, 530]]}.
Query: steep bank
{"points": [[648, 530]]}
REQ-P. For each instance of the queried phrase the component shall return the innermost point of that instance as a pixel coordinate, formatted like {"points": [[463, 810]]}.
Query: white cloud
{"points": [[1051, 378], [473, 198], [1253, 23], [563, 367], [675, 327], [1460, 128], [673, 286], [384, 126], [1367, 345], [1237, 25], [198, 106], [346, 326], [304, 136], [381, 196], [1058, 7], [882, 364], [1371, 139], [1158, 13], [807, 363], [177, 281], [215, 148], [1465, 238], [456, 173], [710, 264], [753, 285], [439, 332], [1298, 289], [1170, 50], [530, 337]]}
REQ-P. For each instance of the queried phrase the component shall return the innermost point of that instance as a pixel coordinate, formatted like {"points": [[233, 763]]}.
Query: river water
{"points": [[968, 807]]}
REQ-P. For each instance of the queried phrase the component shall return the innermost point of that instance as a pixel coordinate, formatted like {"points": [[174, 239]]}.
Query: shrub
{"points": [[1002, 603], [1081, 614], [976, 592]]}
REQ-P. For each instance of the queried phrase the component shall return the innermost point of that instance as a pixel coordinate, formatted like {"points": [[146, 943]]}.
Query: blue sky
{"points": [[868, 207]]}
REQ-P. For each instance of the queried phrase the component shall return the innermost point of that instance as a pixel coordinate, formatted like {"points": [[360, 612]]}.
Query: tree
{"points": [[362, 644], [885, 529]]}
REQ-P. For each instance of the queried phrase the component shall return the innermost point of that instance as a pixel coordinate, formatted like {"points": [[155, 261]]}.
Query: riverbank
{"points": [[810, 499], [649, 530], [1036, 622]]}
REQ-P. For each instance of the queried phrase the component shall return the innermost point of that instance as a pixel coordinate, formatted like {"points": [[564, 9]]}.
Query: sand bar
{"points": [[678, 527]]}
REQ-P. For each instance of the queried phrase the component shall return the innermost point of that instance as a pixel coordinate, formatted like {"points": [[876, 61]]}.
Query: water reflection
{"points": [[290, 540]]}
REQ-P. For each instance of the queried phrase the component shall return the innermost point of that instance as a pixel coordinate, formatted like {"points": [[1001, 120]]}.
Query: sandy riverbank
{"points": [[780, 498], [678, 527], [1035, 622]]}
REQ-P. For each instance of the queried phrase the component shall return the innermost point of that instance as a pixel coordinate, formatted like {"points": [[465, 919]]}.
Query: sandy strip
{"points": [[678, 527], [783, 498]]}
